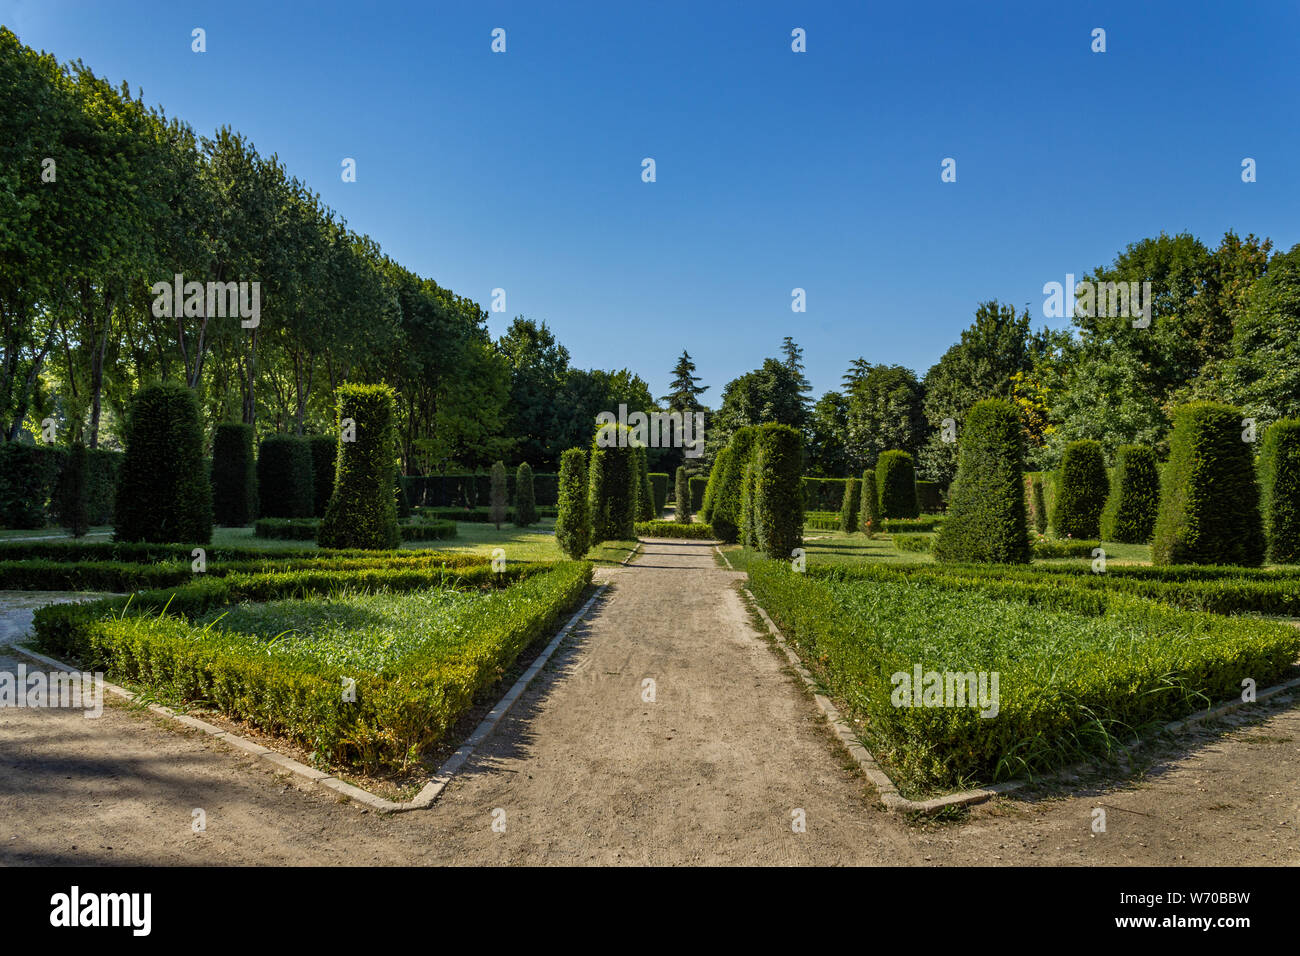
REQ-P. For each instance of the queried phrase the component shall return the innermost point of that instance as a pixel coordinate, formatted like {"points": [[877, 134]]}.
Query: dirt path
{"points": [[584, 770]]}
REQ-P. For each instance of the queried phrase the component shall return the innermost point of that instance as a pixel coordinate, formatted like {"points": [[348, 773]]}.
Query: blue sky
{"points": [[775, 169]]}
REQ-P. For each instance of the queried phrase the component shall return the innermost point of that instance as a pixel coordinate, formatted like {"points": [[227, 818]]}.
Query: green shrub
{"points": [[1279, 471], [525, 503], [682, 492], [323, 450], [1063, 547], [284, 477], [612, 502], [28, 480], [1081, 489], [929, 496], [896, 485], [659, 486], [73, 492], [851, 505], [573, 522], [362, 512], [497, 505], [1209, 502], [645, 499], [674, 529], [778, 489], [287, 529], [869, 505], [913, 542], [748, 533], [163, 492], [986, 503], [699, 487], [725, 514], [234, 475], [1036, 503], [705, 509], [1134, 501]]}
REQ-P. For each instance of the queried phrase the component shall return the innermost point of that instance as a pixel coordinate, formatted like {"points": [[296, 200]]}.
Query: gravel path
{"points": [[585, 770]]}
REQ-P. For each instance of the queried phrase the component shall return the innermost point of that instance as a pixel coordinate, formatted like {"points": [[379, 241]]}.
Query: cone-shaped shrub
{"points": [[525, 501], [986, 503], [715, 479], [1280, 480], [778, 489], [497, 494], [284, 477], [572, 519], [362, 512], [896, 485], [323, 449], [1082, 487], [234, 475], [1036, 503], [1209, 501], [683, 492], [725, 516], [163, 489], [851, 505], [73, 493], [1134, 501], [869, 505]]}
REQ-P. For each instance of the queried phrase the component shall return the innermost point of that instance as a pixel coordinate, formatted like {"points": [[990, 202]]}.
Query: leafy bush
{"points": [[1134, 501], [673, 529], [323, 450], [748, 533], [284, 477], [659, 486], [699, 487], [929, 496], [497, 506], [73, 491], [1279, 471], [1063, 547], [163, 492], [234, 475], [525, 504], [896, 485], [913, 542], [683, 495], [573, 522], [869, 505], [362, 512], [705, 510], [1209, 502], [851, 505], [287, 529], [612, 501], [778, 492], [1081, 490], [986, 503]]}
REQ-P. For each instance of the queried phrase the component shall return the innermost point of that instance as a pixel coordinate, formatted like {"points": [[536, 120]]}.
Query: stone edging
{"points": [[428, 793]]}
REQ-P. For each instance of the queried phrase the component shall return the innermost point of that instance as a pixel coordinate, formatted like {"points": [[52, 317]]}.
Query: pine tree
{"points": [[685, 390], [794, 362]]}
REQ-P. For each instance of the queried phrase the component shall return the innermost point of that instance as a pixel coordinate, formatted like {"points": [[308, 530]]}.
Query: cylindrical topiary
{"points": [[778, 489], [525, 500], [1209, 501], [572, 517], [323, 449], [611, 502], [497, 496], [682, 491], [868, 505], [725, 517], [1134, 502], [1036, 503], [659, 485], [1082, 487], [1279, 472], [645, 497], [362, 512], [285, 486], [711, 486], [163, 490], [73, 493], [234, 475], [986, 518], [748, 533], [896, 485], [851, 505]]}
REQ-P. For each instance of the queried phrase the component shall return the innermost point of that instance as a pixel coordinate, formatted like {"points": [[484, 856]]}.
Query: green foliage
{"points": [[1279, 473], [573, 522], [725, 514], [705, 508], [851, 505], [645, 499], [1134, 501], [1036, 503], [163, 492], [699, 487], [1081, 490], [682, 492], [929, 496], [234, 475], [28, 480], [1209, 501], [497, 499], [748, 533], [323, 450], [869, 505], [823, 494], [659, 486], [525, 503], [362, 512], [778, 489], [284, 477], [674, 529], [73, 492], [912, 542], [986, 518], [613, 496], [896, 485]]}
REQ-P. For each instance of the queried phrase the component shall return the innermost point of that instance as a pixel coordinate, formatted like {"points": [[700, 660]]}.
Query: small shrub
{"points": [[525, 502], [699, 486], [851, 505], [284, 477], [705, 508], [896, 485], [683, 495], [913, 542], [234, 475], [362, 512], [1280, 490], [497, 500], [1134, 501], [674, 529], [869, 505], [573, 520], [1081, 490]]}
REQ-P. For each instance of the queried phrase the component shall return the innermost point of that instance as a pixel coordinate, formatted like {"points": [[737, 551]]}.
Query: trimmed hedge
{"points": [[613, 493], [1036, 503], [525, 503], [1063, 547], [1134, 501], [725, 513], [659, 487], [477, 516], [1081, 490], [698, 487], [1279, 470], [778, 491], [1209, 502], [748, 533], [307, 529], [705, 509], [896, 485], [163, 493], [323, 449], [362, 512], [986, 503], [913, 542], [573, 521], [30, 476], [645, 497], [929, 495], [674, 529], [72, 510], [234, 475], [851, 505], [285, 484], [682, 494], [468, 491], [497, 499], [869, 505]]}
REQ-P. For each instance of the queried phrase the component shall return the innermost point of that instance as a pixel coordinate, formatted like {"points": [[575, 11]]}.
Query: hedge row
{"points": [[478, 515], [466, 491], [307, 529], [31, 475], [659, 487], [674, 529]]}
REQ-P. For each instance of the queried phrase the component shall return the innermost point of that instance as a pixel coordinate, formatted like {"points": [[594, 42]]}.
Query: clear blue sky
{"points": [[819, 170]]}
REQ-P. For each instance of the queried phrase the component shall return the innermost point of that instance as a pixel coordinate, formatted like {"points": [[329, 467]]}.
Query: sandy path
{"points": [[585, 771]]}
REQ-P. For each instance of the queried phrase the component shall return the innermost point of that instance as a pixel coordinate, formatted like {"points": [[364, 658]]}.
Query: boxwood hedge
{"points": [[896, 485], [1134, 501]]}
